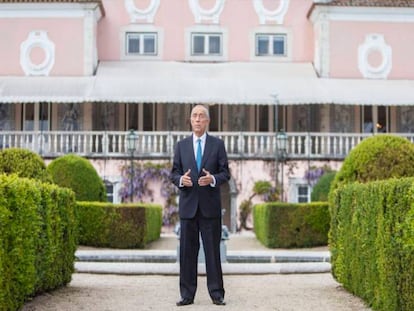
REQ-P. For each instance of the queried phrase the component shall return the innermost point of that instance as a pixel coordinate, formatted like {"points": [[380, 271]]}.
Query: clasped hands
{"points": [[204, 180]]}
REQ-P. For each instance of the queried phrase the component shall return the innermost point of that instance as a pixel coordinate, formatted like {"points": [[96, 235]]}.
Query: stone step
{"points": [[160, 256], [136, 268]]}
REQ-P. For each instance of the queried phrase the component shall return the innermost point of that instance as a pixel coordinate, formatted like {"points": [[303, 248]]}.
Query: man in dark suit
{"points": [[200, 166]]}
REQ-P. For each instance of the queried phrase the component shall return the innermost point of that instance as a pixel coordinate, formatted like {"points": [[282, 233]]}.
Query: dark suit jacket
{"points": [[215, 161]]}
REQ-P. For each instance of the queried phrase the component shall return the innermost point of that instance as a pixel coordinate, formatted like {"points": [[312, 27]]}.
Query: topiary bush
{"points": [[320, 191], [372, 254], [37, 239], [376, 158], [77, 173], [23, 163], [368, 256]]}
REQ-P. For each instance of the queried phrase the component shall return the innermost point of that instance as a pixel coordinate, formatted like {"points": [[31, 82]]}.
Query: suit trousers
{"points": [[210, 231]]}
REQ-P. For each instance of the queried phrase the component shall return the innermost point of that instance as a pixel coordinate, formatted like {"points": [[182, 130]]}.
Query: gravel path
{"points": [[278, 292]]}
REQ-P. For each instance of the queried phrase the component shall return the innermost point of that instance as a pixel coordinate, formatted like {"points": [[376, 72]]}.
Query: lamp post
{"points": [[131, 146], [281, 145], [276, 129]]}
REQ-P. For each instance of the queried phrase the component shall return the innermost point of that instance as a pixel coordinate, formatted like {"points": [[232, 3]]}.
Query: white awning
{"points": [[45, 89], [249, 83], [217, 83], [366, 92], [252, 83]]}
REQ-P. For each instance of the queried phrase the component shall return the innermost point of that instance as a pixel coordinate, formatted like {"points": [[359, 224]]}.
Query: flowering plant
{"points": [[313, 174], [141, 175]]}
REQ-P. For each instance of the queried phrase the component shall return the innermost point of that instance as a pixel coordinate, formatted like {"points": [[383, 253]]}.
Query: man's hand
{"points": [[205, 180], [186, 180]]}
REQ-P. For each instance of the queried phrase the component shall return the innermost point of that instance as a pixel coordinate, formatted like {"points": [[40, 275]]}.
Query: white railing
{"points": [[245, 145]]}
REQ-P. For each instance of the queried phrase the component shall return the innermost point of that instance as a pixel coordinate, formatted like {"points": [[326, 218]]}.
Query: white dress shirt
{"points": [[195, 146]]}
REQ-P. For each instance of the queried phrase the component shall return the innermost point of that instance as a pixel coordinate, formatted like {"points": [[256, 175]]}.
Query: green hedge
{"points": [[372, 242], [77, 173], [285, 225], [24, 163], [118, 225], [37, 239]]}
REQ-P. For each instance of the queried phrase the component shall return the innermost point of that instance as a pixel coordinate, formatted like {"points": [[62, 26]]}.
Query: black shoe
{"points": [[185, 302], [219, 302]]}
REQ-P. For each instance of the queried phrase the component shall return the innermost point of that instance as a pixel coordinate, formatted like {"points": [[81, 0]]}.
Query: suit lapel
{"points": [[207, 150], [191, 148]]}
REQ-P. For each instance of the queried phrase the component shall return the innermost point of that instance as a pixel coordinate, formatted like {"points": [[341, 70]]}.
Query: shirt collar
{"points": [[203, 138]]}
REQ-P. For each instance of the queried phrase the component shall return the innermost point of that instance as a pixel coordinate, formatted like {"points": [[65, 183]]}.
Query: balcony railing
{"points": [[149, 145]]}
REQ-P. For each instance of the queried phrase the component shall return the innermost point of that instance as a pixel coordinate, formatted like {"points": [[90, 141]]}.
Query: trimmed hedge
{"points": [[285, 225], [377, 157], [118, 225], [24, 163], [372, 242], [77, 173], [320, 192], [37, 239]]}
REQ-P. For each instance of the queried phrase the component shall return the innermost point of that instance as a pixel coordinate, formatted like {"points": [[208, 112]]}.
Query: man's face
{"points": [[199, 120]]}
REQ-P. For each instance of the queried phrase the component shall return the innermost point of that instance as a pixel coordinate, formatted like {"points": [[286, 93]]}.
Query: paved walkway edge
{"points": [[129, 268]]}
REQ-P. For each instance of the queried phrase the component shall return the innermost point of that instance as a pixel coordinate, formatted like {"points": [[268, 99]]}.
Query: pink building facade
{"points": [[76, 75]]}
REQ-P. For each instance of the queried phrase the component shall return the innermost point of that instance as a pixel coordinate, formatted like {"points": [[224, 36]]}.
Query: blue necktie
{"points": [[198, 158]]}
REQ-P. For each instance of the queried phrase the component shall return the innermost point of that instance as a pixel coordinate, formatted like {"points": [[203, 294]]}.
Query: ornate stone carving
{"points": [[201, 14], [374, 43], [146, 14], [265, 15], [37, 39]]}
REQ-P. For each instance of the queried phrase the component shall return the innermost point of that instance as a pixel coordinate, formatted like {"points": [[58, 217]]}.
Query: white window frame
{"points": [[141, 30], [271, 31], [294, 184], [206, 37], [142, 36], [299, 196], [207, 31], [116, 182], [270, 40]]}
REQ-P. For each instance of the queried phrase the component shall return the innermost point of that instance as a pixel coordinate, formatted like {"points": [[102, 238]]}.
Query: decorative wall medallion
{"points": [[374, 43], [201, 14], [147, 14], [276, 15], [37, 39]]}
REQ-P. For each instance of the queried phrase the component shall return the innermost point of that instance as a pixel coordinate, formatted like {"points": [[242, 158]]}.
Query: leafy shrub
{"points": [[283, 225], [268, 193], [372, 250], [141, 175], [23, 163], [37, 239], [77, 173], [376, 158], [369, 258], [320, 191], [118, 225]]}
